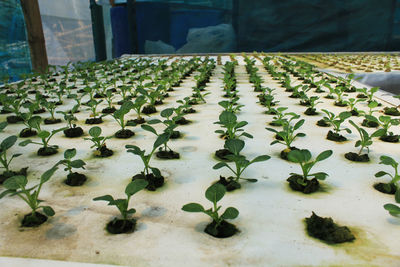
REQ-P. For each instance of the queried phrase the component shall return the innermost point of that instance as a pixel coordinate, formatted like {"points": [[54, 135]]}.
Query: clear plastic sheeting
{"points": [[14, 49], [67, 28]]}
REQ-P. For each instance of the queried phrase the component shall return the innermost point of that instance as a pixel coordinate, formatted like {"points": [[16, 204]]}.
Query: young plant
{"points": [[351, 103], [119, 116], [109, 95], [385, 122], [241, 163], [269, 102], [369, 94], [336, 121], [218, 227], [95, 117], [138, 104], [280, 116], [393, 186], [26, 116], [312, 103], [51, 106], [339, 92], [165, 152], [231, 105], [124, 225], [186, 106], [151, 174], [234, 129], [198, 96], [364, 142], [370, 121], [69, 117], [45, 136], [73, 178], [99, 142], [287, 135], [301, 182], [5, 145], [16, 185]]}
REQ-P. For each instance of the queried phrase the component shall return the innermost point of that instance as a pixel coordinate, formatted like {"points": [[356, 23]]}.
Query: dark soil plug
{"points": [[310, 187], [326, 230], [75, 179], [33, 220], [357, 158], [154, 181], [119, 226], [73, 132], [223, 230], [126, 133]]}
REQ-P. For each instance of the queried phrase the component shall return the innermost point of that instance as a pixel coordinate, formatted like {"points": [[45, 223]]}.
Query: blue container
{"points": [[120, 30], [183, 20], [152, 23]]}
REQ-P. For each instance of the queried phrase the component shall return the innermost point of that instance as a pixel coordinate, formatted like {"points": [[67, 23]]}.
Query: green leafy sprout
{"points": [[214, 194], [16, 185], [303, 157], [240, 161], [123, 203]]}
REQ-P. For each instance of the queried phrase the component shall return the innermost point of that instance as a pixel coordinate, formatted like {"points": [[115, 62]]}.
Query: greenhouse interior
{"points": [[199, 133]]}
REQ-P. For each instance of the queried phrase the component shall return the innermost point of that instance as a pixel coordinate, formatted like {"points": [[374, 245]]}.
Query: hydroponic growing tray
{"points": [[271, 222]]}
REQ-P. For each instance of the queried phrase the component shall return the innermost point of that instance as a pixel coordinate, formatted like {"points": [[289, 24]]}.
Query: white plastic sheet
{"points": [[67, 30]]}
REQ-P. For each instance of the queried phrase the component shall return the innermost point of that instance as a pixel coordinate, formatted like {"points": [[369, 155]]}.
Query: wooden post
{"points": [[34, 31]]}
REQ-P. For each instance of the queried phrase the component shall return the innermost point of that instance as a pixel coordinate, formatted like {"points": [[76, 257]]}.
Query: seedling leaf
{"points": [[193, 207], [215, 192], [48, 211], [230, 213], [135, 186]]}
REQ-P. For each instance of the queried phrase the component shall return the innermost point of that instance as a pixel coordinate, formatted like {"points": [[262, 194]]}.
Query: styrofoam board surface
{"points": [[271, 215]]}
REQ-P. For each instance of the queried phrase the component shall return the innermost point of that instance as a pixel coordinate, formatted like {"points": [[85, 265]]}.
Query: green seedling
{"points": [[369, 93], [185, 104], [69, 163], [6, 144], [109, 96], [395, 178], [231, 105], [138, 104], [122, 204], [98, 141], [351, 103], [69, 117], [50, 106], [93, 104], [385, 122], [119, 115], [77, 99], [16, 185], [303, 158], [337, 120], [149, 170], [280, 116], [198, 96], [241, 163], [340, 93], [287, 134], [269, 102], [365, 139], [44, 135], [13, 104], [214, 194], [168, 131], [234, 129]]}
